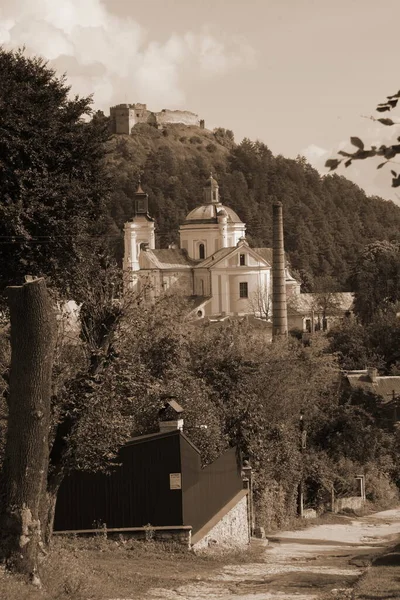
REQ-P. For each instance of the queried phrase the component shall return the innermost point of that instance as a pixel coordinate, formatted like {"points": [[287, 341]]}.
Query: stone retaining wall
{"points": [[232, 530], [353, 502]]}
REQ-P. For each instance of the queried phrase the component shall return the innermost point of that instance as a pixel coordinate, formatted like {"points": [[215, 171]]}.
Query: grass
{"points": [[101, 569], [382, 580]]}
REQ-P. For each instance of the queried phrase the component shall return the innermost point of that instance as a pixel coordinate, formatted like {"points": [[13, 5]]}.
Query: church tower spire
{"points": [[211, 191], [138, 235]]}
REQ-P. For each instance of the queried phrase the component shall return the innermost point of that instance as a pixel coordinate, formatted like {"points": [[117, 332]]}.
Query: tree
{"points": [[52, 179], [33, 337], [327, 299], [376, 279], [349, 341], [260, 302], [384, 151], [53, 206]]}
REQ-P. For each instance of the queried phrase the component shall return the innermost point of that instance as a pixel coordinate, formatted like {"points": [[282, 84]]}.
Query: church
{"points": [[214, 264]]}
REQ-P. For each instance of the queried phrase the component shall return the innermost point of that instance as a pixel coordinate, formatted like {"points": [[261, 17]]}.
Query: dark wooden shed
{"points": [[159, 482]]}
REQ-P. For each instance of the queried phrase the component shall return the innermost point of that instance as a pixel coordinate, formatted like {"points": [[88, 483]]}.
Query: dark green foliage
{"points": [[376, 279], [52, 182], [377, 343], [327, 220]]}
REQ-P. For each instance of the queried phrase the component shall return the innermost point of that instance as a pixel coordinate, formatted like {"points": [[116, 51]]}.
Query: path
{"points": [[323, 561]]}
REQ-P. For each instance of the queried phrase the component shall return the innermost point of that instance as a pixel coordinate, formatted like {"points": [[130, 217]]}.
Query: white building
{"points": [[214, 263]]}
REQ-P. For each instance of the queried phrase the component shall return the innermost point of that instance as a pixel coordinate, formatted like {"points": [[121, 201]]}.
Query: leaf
{"points": [[396, 182], [393, 173], [381, 165], [357, 143], [394, 96], [361, 154], [347, 163], [393, 103], [390, 153], [332, 163], [383, 108], [386, 121], [342, 153]]}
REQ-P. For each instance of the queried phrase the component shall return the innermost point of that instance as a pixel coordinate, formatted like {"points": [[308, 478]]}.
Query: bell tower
{"points": [[211, 191], [138, 233]]}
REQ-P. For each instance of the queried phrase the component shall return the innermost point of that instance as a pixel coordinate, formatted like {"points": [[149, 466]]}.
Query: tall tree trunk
{"points": [[33, 337], [48, 505]]}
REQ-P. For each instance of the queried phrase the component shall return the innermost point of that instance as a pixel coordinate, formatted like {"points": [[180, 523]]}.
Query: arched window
{"points": [[202, 251]]}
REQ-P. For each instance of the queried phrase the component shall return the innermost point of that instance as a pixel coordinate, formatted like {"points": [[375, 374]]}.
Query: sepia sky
{"points": [[300, 75]]}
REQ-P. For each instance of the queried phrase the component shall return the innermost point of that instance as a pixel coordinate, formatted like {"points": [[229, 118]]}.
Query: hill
{"points": [[328, 219]]}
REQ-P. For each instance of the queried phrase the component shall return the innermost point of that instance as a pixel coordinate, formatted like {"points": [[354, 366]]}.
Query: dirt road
{"points": [[323, 561]]}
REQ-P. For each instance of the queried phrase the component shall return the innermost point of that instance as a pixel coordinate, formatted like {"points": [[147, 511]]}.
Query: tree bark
{"points": [[33, 337]]}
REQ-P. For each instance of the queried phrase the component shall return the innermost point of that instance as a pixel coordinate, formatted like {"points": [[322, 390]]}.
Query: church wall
{"points": [[154, 282], [234, 261], [258, 289], [202, 289], [179, 281], [190, 240]]}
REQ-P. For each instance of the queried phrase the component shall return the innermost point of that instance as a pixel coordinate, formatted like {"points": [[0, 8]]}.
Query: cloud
{"points": [[315, 154], [375, 182], [113, 57]]}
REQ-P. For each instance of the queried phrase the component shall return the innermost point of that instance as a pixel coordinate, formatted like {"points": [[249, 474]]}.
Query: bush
{"points": [[275, 507]]}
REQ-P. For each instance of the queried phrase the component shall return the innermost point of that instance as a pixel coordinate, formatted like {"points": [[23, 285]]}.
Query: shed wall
{"points": [[134, 494]]}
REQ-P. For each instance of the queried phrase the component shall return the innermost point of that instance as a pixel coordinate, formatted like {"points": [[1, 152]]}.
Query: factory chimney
{"points": [[279, 306]]}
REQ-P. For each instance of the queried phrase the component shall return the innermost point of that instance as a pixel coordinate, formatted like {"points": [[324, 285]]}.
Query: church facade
{"points": [[214, 264]]}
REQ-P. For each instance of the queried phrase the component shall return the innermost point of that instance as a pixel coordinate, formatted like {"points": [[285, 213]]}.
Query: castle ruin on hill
{"points": [[124, 116]]}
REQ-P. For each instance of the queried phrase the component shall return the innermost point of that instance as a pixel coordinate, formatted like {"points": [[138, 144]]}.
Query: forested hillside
{"points": [[328, 219]]}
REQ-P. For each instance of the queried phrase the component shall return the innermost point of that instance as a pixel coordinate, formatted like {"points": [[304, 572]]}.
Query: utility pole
{"points": [[303, 445]]}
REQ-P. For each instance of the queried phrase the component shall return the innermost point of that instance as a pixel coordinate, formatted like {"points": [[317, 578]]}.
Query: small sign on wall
{"points": [[175, 481]]}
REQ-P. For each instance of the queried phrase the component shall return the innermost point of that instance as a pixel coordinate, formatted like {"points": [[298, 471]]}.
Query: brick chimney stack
{"points": [[279, 306]]}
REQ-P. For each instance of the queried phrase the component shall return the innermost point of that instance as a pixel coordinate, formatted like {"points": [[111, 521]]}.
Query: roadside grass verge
{"points": [[102, 569], [382, 580]]}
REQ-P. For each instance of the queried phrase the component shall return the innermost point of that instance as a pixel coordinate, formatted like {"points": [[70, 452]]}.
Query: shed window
{"points": [[243, 289], [202, 253], [242, 260]]}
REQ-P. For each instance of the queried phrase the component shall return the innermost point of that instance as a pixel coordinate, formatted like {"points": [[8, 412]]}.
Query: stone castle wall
{"points": [[177, 116], [124, 116]]}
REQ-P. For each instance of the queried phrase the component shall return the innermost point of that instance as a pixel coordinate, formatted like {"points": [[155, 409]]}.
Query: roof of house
{"points": [[149, 437], [384, 385], [265, 253], [171, 258], [306, 303]]}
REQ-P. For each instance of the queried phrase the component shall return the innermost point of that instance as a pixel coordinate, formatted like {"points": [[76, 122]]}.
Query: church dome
{"points": [[208, 213], [212, 207]]}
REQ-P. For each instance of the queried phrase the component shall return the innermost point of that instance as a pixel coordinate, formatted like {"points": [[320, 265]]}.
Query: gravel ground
{"points": [[320, 562]]}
